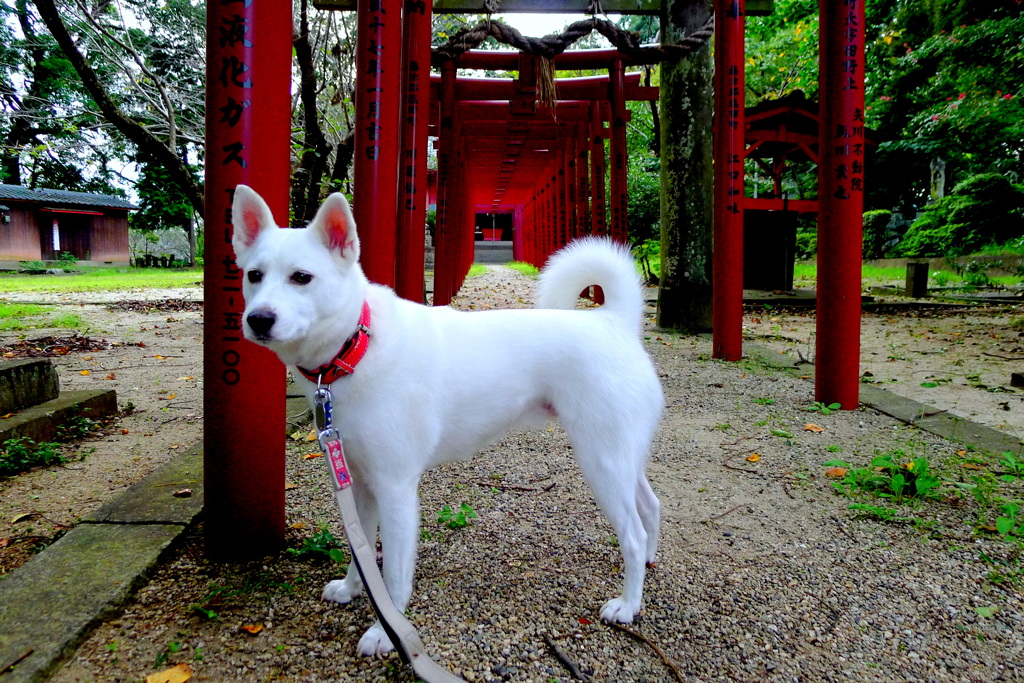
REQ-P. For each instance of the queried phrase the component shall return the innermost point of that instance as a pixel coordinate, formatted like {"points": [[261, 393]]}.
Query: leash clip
{"points": [[322, 414]]}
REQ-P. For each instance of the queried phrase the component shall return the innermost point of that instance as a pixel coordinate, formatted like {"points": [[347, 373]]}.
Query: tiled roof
{"points": [[63, 197]]}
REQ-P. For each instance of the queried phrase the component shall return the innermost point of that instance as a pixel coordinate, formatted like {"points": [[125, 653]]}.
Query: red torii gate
{"points": [[500, 152], [841, 147], [248, 128]]}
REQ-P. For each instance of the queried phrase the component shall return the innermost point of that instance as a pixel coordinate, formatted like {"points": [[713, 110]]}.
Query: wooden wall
{"points": [[28, 237]]}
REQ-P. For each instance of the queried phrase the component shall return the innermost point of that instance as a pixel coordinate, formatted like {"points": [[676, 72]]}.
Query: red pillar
{"points": [[840, 201], [727, 277], [582, 179], [620, 197], [598, 217], [248, 124], [412, 204], [445, 223], [377, 135]]}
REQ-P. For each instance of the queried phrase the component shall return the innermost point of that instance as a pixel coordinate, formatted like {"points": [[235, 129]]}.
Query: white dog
{"points": [[436, 385]]}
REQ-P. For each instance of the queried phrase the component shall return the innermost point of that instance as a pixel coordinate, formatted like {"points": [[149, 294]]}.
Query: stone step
{"points": [[40, 422], [26, 382]]}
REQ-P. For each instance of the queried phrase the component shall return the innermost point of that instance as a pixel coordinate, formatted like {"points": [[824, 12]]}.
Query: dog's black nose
{"points": [[260, 322]]}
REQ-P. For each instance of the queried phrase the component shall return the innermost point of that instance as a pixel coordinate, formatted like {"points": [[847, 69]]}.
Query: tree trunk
{"points": [[687, 181], [313, 160]]}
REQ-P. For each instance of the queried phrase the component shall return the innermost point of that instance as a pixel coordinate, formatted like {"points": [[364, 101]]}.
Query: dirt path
{"points": [[763, 574]]}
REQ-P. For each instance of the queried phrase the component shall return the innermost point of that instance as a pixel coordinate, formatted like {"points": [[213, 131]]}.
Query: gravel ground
{"points": [[763, 572]]}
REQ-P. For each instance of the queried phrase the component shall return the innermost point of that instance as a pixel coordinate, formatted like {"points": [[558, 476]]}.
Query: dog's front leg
{"points": [[399, 534], [351, 587]]}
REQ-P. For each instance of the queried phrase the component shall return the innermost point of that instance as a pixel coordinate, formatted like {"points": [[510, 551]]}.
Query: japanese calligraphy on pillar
{"points": [[232, 103], [372, 113], [734, 130], [848, 134]]}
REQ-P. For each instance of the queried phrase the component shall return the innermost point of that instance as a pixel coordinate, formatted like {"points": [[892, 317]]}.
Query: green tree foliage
{"points": [[945, 83], [44, 111], [782, 52], [984, 209]]}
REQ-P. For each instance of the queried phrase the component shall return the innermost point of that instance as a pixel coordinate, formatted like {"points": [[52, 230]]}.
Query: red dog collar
{"points": [[352, 351]]}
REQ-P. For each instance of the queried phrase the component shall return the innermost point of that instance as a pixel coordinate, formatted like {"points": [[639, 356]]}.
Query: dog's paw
{"points": [[343, 591], [375, 642], [618, 611]]}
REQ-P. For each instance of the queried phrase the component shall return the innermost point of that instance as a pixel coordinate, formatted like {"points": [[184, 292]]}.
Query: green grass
{"points": [[524, 268], [806, 274], [29, 316], [476, 270], [101, 279]]}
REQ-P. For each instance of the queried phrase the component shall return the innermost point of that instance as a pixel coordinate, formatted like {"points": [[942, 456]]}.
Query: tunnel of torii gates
{"points": [[497, 152]]}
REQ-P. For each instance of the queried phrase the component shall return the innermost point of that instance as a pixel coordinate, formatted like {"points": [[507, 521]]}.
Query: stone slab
{"points": [[49, 604], [40, 422], [27, 382], [152, 500]]}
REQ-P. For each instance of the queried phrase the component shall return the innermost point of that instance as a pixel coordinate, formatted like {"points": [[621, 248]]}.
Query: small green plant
{"points": [[764, 401], [1010, 523], [21, 454], [32, 266], [887, 478], [834, 448], [321, 545], [77, 427], [172, 648], [941, 277], [1014, 468], [824, 409], [456, 520], [66, 260], [881, 513]]}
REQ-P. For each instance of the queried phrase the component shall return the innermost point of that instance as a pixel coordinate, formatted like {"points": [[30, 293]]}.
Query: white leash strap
{"points": [[364, 554]]}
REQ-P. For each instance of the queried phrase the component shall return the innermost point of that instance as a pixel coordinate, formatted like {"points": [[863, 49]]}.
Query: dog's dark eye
{"points": [[254, 276], [301, 278]]}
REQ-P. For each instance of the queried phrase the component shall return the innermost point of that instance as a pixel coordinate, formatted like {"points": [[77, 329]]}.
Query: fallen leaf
{"points": [[585, 621], [986, 611], [85, 373], [753, 457], [4, 542], [811, 427], [185, 379], [7, 416], [310, 456], [184, 493], [176, 674], [836, 472], [288, 486], [159, 357], [86, 357], [312, 436], [782, 432], [298, 525], [168, 397], [252, 629], [22, 517], [125, 431], [111, 376], [961, 453], [972, 466]]}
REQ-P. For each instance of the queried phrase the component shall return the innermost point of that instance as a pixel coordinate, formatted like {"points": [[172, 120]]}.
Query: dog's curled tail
{"points": [[593, 261]]}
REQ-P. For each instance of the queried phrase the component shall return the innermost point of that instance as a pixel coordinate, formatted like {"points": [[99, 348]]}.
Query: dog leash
{"points": [[401, 632]]}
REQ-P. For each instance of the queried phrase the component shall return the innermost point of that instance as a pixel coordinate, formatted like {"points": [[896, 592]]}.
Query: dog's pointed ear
{"points": [[336, 225], [249, 215]]}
